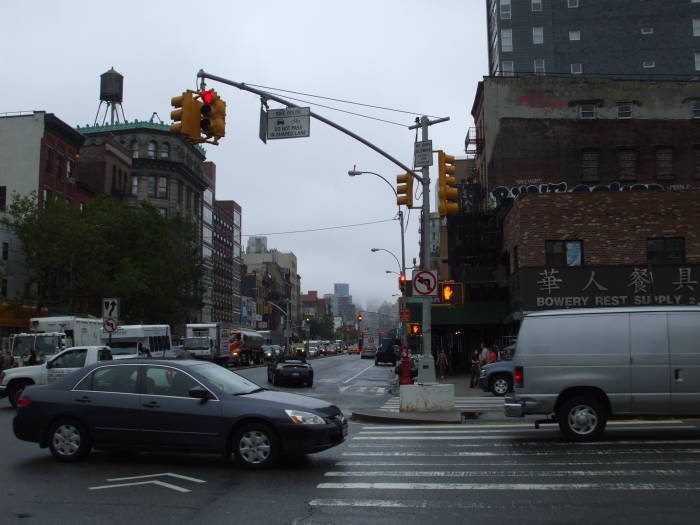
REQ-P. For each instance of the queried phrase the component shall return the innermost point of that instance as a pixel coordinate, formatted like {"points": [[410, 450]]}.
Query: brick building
{"points": [[603, 249]]}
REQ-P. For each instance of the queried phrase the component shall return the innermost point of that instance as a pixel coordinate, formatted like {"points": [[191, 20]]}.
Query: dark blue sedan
{"points": [[185, 406]]}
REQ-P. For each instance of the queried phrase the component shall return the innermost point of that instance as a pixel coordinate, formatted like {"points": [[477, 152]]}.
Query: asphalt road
{"points": [[643, 472]]}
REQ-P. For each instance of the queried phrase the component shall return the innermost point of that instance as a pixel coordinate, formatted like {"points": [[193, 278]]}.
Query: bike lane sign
{"points": [[424, 283]]}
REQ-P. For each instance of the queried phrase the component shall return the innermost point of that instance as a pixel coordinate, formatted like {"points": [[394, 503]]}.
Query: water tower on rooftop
{"points": [[111, 95]]}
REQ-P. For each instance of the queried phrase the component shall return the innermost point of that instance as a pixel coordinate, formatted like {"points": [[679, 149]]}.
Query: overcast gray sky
{"points": [[421, 56]]}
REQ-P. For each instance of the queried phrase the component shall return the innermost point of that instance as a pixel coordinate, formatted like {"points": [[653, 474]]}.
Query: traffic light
{"points": [[451, 293], [308, 318], [448, 195], [359, 318], [186, 119], [213, 116], [404, 190], [402, 282], [414, 329]]}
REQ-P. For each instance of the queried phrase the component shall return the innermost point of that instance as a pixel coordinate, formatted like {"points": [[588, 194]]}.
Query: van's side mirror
{"points": [[199, 392]]}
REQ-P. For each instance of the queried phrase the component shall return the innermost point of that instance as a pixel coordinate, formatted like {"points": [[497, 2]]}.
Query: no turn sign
{"points": [[424, 283], [110, 325]]}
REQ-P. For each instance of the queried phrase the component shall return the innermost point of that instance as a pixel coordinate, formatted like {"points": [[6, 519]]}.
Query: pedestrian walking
{"points": [[484, 355], [474, 369], [441, 363]]}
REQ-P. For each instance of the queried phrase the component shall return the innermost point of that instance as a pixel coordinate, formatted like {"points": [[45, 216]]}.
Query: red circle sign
{"points": [[109, 324], [424, 283]]}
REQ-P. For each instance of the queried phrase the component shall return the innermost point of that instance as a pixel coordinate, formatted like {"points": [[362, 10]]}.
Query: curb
{"points": [[378, 416]]}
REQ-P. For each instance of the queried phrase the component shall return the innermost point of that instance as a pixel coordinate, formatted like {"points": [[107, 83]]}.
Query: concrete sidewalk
{"points": [[462, 392]]}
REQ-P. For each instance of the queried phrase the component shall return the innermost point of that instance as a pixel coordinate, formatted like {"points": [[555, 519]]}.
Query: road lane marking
{"points": [[150, 482], [514, 463], [396, 504], [510, 486], [502, 473], [519, 454], [361, 372], [179, 476]]}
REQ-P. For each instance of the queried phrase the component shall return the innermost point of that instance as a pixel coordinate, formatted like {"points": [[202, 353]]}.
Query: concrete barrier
{"points": [[427, 397]]}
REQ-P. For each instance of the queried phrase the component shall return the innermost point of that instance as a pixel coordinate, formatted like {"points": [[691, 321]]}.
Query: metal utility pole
{"points": [[426, 370]]}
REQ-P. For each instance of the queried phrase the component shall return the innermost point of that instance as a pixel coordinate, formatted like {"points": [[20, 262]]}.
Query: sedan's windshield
{"points": [[229, 382]]}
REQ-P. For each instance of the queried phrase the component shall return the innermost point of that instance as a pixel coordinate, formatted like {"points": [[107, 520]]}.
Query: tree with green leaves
{"points": [[152, 263]]}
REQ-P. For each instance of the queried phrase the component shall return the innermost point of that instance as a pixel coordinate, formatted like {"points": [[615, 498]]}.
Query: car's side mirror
{"points": [[199, 392]]}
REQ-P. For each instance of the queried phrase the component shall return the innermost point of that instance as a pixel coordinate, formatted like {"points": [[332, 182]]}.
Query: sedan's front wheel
{"points": [[256, 446], [69, 441]]}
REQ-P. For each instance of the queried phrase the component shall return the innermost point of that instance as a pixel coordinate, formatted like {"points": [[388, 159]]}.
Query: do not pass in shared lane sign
{"points": [[288, 123]]}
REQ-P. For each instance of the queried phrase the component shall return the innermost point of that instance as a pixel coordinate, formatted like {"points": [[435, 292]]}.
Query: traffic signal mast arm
{"points": [[202, 75]]}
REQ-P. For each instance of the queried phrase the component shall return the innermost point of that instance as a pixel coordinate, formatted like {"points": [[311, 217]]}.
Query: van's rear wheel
{"points": [[582, 418]]}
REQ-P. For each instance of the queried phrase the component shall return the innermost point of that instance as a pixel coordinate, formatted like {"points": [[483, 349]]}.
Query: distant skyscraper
{"points": [[341, 289], [654, 39], [257, 245]]}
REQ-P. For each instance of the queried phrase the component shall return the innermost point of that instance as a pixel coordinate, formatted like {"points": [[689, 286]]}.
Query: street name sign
{"points": [[423, 153], [288, 123]]}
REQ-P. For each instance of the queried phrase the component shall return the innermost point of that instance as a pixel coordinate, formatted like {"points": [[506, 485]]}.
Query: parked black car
{"points": [[184, 405], [290, 370], [386, 354]]}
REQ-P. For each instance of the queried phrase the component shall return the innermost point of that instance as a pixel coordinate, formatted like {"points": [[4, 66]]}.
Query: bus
{"points": [[135, 340]]}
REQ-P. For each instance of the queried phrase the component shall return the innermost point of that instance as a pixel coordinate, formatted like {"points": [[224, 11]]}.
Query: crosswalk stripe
{"points": [[506, 453], [502, 473], [510, 486], [513, 464]]}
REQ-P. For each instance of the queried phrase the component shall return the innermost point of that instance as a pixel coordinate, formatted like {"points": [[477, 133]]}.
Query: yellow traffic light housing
{"points": [[451, 293], [359, 318], [402, 282], [213, 116], [414, 329], [404, 190], [448, 195], [186, 119]]}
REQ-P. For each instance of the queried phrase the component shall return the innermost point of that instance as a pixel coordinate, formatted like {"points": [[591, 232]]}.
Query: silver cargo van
{"points": [[584, 366]]}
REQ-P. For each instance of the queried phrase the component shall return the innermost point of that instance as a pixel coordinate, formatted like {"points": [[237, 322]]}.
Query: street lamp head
{"points": [[354, 173], [374, 249]]}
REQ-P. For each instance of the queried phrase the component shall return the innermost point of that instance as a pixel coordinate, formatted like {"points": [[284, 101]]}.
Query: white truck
{"points": [[13, 381], [49, 335], [133, 340], [208, 341]]}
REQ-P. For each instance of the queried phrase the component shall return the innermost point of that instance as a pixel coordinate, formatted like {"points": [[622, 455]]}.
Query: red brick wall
{"points": [[613, 226]]}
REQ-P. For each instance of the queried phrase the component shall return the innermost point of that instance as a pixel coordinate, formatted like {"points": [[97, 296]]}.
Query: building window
{"points": [[49, 160], [505, 10], [82, 207], [506, 40], [664, 162], [152, 149], [135, 185], [647, 30], [666, 250], [696, 109], [649, 64], [563, 253], [574, 35], [165, 150], [590, 165], [627, 164], [696, 26], [538, 66], [47, 197], [572, 3], [69, 170], [624, 110], [696, 151], [536, 5], [180, 187], [586, 111], [5, 251], [152, 183], [576, 69], [134, 149], [162, 187], [59, 166], [538, 35], [697, 61], [3, 288], [507, 69], [3, 198], [516, 263]]}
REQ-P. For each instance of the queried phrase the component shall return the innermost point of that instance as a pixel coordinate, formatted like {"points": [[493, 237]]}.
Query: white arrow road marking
{"points": [[151, 482], [180, 476]]}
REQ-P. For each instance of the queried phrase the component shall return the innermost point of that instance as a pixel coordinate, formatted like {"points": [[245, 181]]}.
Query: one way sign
{"points": [[110, 308]]}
